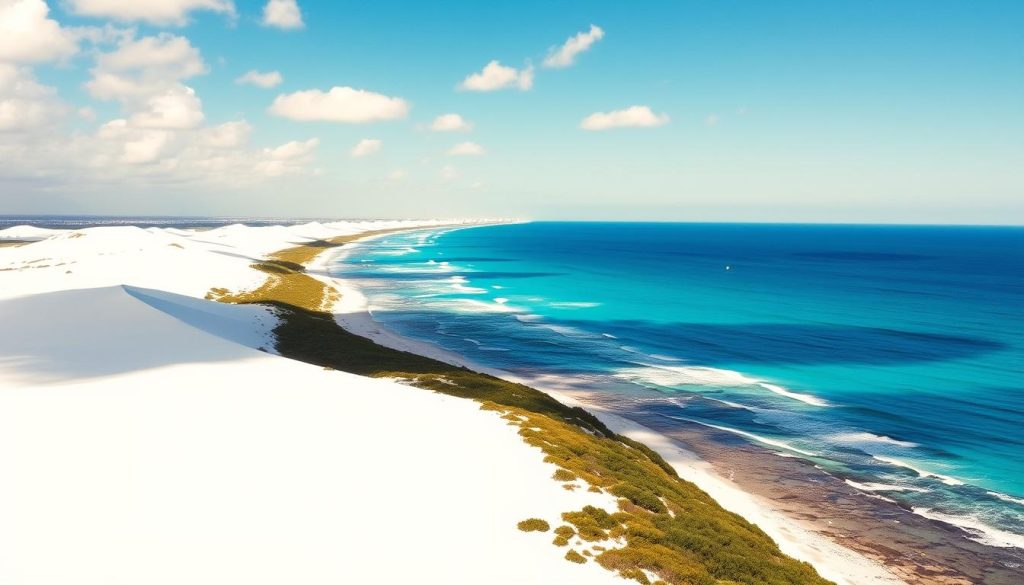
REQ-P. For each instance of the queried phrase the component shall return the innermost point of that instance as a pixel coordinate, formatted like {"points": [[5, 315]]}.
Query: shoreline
{"points": [[850, 536], [796, 538]]}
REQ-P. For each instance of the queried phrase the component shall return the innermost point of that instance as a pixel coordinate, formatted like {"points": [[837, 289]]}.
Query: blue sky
{"points": [[850, 111]]}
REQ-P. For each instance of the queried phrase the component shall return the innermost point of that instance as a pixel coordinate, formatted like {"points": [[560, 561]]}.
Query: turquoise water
{"points": [[892, 357]]}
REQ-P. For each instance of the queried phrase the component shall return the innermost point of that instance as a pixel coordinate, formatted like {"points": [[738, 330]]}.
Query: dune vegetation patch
{"points": [[534, 525], [575, 557], [663, 526]]}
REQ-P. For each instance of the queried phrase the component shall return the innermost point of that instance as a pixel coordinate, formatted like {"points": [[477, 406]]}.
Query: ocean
{"points": [[891, 357]]}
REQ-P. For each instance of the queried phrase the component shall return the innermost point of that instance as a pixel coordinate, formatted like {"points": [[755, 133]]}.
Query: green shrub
{"points": [[534, 525], [563, 475], [575, 557]]}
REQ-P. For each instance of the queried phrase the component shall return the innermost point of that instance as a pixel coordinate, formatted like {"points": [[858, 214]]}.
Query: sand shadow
{"points": [[108, 331]]}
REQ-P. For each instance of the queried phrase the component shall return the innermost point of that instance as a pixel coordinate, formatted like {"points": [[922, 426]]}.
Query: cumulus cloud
{"points": [[145, 76], [284, 14], [495, 76], [466, 149], [158, 12], [340, 104], [226, 135], [164, 55], [632, 117], [366, 147], [565, 55], [260, 79], [139, 68], [24, 102], [120, 142], [123, 154], [450, 123], [28, 35], [176, 108], [159, 139]]}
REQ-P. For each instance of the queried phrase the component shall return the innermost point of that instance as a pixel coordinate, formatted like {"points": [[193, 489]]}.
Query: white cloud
{"points": [[124, 154], [632, 117], [449, 173], [130, 145], [466, 149], [450, 123], [366, 147], [158, 12], [495, 76], [177, 108], [292, 150], [166, 55], [27, 35], [340, 104], [145, 76], [712, 120], [24, 102], [141, 68], [284, 14], [226, 135], [260, 79], [565, 55], [288, 159]]}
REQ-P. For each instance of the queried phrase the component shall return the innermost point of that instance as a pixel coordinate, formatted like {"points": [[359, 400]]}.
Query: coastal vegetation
{"points": [[534, 525], [665, 530]]}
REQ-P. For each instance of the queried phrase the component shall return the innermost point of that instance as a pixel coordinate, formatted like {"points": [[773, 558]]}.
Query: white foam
{"points": [[860, 438], [731, 404], [573, 305], [978, 530], [921, 472], [468, 290], [476, 306], [883, 487], [665, 358], [805, 398], [669, 376], [682, 375], [1007, 498], [752, 436]]}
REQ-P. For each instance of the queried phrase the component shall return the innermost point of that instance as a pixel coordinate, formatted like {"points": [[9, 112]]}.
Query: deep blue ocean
{"points": [[891, 357]]}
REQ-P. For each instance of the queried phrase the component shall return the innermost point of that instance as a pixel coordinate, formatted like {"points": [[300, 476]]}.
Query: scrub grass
{"points": [[534, 525], [575, 557], [663, 526]]}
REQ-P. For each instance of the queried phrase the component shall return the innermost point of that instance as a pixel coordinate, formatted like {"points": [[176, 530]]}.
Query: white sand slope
{"points": [[136, 448]]}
